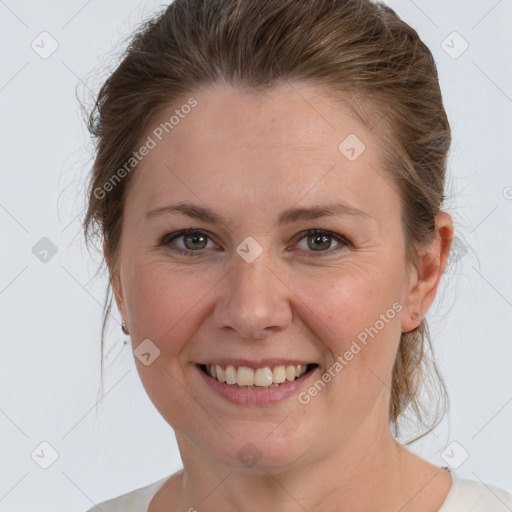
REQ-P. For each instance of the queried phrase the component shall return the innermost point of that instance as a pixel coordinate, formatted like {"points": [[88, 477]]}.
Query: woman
{"points": [[268, 184]]}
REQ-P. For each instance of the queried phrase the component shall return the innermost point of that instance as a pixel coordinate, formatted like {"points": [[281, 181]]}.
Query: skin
{"points": [[248, 157]]}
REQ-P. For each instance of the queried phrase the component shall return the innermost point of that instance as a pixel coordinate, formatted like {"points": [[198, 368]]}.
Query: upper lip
{"points": [[262, 363]]}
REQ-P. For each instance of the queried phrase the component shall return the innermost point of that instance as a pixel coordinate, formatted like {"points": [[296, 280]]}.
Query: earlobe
{"points": [[429, 269]]}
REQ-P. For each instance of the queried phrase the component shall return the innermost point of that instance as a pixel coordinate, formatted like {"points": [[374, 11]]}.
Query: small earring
{"points": [[123, 328]]}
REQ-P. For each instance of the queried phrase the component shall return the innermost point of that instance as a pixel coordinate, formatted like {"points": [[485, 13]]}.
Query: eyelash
{"points": [[165, 241]]}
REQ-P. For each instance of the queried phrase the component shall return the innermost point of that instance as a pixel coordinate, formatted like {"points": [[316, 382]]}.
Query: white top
{"points": [[464, 496]]}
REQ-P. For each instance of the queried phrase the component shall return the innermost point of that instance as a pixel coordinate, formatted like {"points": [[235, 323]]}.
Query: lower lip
{"points": [[243, 396]]}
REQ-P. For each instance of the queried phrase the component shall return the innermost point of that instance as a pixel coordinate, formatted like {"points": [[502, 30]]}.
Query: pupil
{"points": [[320, 239], [194, 238]]}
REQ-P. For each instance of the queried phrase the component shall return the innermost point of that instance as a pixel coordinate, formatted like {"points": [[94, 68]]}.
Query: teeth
{"points": [[245, 376], [290, 373], [221, 374], [261, 377], [230, 375], [279, 374]]}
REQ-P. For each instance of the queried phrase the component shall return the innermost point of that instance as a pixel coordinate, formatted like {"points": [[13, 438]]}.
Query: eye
{"points": [[320, 241], [194, 241]]}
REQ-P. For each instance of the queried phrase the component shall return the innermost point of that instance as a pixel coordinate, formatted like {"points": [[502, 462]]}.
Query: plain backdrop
{"points": [[99, 446]]}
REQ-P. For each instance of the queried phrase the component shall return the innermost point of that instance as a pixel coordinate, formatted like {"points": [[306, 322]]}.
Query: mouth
{"points": [[243, 377]]}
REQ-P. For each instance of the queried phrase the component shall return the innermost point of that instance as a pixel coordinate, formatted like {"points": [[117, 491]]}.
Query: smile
{"points": [[256, 378]]}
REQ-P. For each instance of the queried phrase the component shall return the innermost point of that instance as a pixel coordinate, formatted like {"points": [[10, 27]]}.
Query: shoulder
{"points": [[134, 501], [472, 496]]}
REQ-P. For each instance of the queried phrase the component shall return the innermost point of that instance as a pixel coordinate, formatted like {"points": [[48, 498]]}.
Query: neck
{"points": [[366, 473]]}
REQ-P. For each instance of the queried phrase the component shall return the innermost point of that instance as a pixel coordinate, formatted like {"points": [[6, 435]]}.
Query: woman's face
{"points": [[253, 289]]}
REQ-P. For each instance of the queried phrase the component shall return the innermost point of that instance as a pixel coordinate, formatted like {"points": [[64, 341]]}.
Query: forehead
{"points": [[258, 147], [292, 117]]}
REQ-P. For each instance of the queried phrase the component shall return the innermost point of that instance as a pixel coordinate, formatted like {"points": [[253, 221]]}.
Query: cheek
{"points": [[161, 301], [162, 305], [357, 318], [349, 301]]}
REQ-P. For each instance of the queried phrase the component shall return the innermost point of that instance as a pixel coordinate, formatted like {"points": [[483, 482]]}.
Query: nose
{"points": [[254, 302]]}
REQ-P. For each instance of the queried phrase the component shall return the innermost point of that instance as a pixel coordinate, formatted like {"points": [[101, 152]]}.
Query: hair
{"points": [[358, 51]]}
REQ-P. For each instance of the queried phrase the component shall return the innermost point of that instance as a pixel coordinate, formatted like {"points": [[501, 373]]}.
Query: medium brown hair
{"points": [[358, 51]]}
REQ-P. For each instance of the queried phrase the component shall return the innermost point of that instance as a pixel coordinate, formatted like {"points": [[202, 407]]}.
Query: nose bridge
{"points": [[254, 300]]}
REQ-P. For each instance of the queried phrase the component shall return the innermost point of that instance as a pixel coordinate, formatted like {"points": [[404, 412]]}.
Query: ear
{"points": [[427, 272], [115, 281]]}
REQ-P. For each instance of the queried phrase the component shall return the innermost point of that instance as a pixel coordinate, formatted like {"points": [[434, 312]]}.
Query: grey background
{"points": [[50, 302]]}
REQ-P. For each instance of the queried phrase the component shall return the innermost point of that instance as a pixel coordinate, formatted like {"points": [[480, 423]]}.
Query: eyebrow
{"points": [[286, 217]]}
